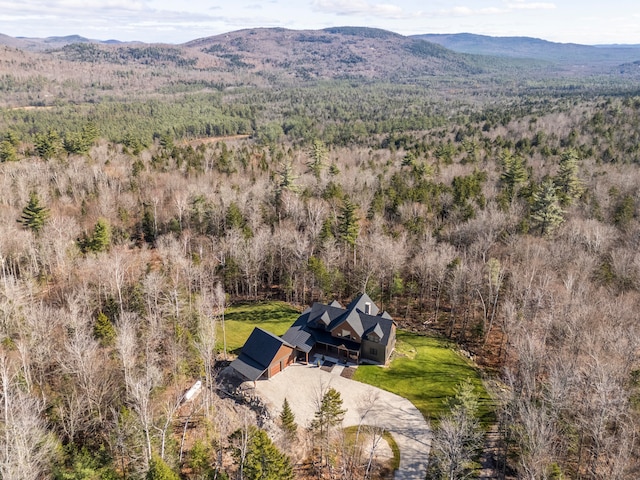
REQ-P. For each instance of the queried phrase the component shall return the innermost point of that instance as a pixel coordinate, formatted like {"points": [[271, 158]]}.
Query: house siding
{"points": [[282, 359], [352, 334], [367, 354]]}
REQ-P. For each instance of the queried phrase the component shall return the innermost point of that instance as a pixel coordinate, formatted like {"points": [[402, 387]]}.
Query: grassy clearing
{"points": [[275, 317], [426, 371]]}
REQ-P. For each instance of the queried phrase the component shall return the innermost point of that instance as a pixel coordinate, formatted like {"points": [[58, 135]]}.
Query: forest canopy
{"points": [[498, 211]]}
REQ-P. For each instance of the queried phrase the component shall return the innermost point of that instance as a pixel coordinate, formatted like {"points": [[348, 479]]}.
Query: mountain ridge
{"points": [[536, 48], [266, 55]]}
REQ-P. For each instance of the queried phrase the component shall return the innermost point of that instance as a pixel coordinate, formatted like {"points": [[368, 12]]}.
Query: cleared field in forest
{"points": [[426, 371], [240, 320]]}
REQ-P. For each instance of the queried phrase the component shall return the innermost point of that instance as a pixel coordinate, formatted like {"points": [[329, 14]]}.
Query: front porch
{"points": [[340, 354]]}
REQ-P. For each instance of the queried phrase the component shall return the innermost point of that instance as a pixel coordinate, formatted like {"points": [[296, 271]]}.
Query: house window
{"points": [[373, 338], [373, 351]]}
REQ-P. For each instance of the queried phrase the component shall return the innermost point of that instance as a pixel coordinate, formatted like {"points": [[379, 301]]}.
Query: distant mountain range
{"points": [[341, 52], [534, 48], [346, 52], [49, 43]]}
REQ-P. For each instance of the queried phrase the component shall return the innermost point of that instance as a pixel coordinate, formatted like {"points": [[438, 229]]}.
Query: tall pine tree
{"points": [[260, 459], [546, 213], [34, 215], [514, 174], [569, 186], [288, 421], [329, 415], [319, 156], [99, 240], [48, 145], [349, 226]]}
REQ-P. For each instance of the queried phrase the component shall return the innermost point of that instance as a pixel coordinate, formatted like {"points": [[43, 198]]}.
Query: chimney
{"points": [[367, 308]]}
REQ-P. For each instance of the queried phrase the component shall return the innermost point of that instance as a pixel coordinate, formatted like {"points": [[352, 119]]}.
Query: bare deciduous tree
{"points": [[26, 447]]}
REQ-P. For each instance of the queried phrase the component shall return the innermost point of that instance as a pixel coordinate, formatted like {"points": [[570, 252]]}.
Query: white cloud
{"points": [[73, 7], [121, 19], [359, 7], [509, 7], [98, 4], [520, 5]]}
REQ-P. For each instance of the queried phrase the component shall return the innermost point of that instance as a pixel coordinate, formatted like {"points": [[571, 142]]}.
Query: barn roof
{"points": [[257, 353]]}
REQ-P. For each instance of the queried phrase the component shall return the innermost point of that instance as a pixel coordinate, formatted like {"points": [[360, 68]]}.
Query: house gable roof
{"points": [[352, 319], [316, 324], [360, 303], [377, 330], [257, 353], [298, 335]]}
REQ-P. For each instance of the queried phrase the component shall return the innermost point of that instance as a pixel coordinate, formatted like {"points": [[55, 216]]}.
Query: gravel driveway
{"points": [[302, 386]]}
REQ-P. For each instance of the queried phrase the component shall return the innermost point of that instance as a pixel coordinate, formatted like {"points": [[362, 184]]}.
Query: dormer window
{"points": [[372, 337]]}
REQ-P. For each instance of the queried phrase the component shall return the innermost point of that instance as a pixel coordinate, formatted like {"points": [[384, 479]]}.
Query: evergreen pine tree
{"points": [[513, 175], [567, 182], [12, 138], [330, 414], [262, 459], [546, 213], [624, 211], [34, 215], [319, 156], [348, 223], [101, 238], [287, 178], [288, 421], [159, 470], [90, 132], [285, 182], [148, 225], [74, 143], [199, 461], [104, 330], [8, 152], [48, 145]]}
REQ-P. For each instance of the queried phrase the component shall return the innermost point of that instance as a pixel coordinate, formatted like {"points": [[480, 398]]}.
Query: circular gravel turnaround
{"points": [[303, 386]]}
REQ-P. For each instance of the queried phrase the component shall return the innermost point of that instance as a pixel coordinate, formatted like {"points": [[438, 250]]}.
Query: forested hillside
{"points": [[140, 194], [601, 58]]}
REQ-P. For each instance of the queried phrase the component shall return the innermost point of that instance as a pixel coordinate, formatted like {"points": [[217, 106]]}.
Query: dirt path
{"points": [[302, 386]]}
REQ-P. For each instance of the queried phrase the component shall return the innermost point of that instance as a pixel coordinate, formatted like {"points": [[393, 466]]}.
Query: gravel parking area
{"points": [[303, 386]]}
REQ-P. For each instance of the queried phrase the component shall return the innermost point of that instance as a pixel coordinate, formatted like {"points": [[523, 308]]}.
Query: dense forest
{"points": [[498, 211]]}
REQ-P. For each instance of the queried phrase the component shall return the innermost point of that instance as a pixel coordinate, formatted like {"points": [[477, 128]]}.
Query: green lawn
{"points": [[275, 317], [426, 371]]}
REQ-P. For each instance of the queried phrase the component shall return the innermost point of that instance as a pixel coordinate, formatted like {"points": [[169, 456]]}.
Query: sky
{"points": [[568, 21]]}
